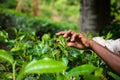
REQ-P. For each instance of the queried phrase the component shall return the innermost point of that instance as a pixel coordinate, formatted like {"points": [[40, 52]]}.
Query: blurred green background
{"points": [[51, 16]]}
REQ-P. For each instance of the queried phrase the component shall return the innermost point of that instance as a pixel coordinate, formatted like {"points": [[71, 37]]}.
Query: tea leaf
{"points": [[99, 72], [91, 77], [6, 56], [82, 70], [45, 66], [3, 36]]}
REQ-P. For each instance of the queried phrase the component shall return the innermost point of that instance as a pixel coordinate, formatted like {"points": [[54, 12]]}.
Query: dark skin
{"points": [[80, 41]]}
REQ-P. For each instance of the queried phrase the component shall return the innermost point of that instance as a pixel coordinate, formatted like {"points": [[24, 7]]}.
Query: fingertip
{"points": [[72, 39], [70, 30], [57, 34]]}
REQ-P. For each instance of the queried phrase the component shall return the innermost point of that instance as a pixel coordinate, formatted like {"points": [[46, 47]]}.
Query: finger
{"points": [[71, 44], [76, 45], [68, 33], [73, 36], [60, 33], [84, 40], [81, 35]]}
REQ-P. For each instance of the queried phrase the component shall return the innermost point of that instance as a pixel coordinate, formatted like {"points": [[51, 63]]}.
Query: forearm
{"points": [[113, 60]]}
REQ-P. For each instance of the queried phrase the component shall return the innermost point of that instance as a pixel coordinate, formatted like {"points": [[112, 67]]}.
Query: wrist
{"points": [[91, 43]]}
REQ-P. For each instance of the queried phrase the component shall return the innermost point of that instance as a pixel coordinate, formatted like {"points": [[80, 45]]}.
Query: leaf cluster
{"points": [[31, 58]]}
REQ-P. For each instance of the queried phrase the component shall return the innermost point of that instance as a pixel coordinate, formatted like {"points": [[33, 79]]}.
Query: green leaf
{"points": [[62, 41], [61, 77], [109, 35], [6, 56], [82, 70], [65, 60], [98, 72], [20, 38], [115, 76], [15, 49], [91, 77], [21, 73], [46, 37], [45, 49], [45, 66], [3, 35]]}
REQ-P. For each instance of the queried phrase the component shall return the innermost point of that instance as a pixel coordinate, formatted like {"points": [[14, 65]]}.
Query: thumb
{"points": [[71, 44], [75, 45]]}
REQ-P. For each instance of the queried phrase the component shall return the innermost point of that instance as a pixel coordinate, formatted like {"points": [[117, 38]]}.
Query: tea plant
{"points": [[30, 58]]}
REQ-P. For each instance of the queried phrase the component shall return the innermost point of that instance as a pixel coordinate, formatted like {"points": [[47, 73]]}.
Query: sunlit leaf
{"points": [[6, 56], [98, 72], [15, 49], [21, 37], [65, 60], [45, 66], [82, 70], [21, 73]]}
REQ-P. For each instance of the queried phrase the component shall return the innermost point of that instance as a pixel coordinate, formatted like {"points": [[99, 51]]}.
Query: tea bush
{"points": [[8, 4], [11, 18], [114, 30], [28, 57]]}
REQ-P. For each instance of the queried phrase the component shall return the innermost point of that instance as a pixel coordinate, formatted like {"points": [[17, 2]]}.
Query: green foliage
{"points": [[113, 32], [45, 59], [8, 3], [67, 9], [3, 36], [115, 9], [11, 18]]}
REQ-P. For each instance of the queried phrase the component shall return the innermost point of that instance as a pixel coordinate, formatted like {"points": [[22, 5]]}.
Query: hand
{"points": [[77, 40]]}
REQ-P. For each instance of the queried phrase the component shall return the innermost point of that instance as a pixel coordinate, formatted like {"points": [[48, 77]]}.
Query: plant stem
{"points": [[13, 66]]}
